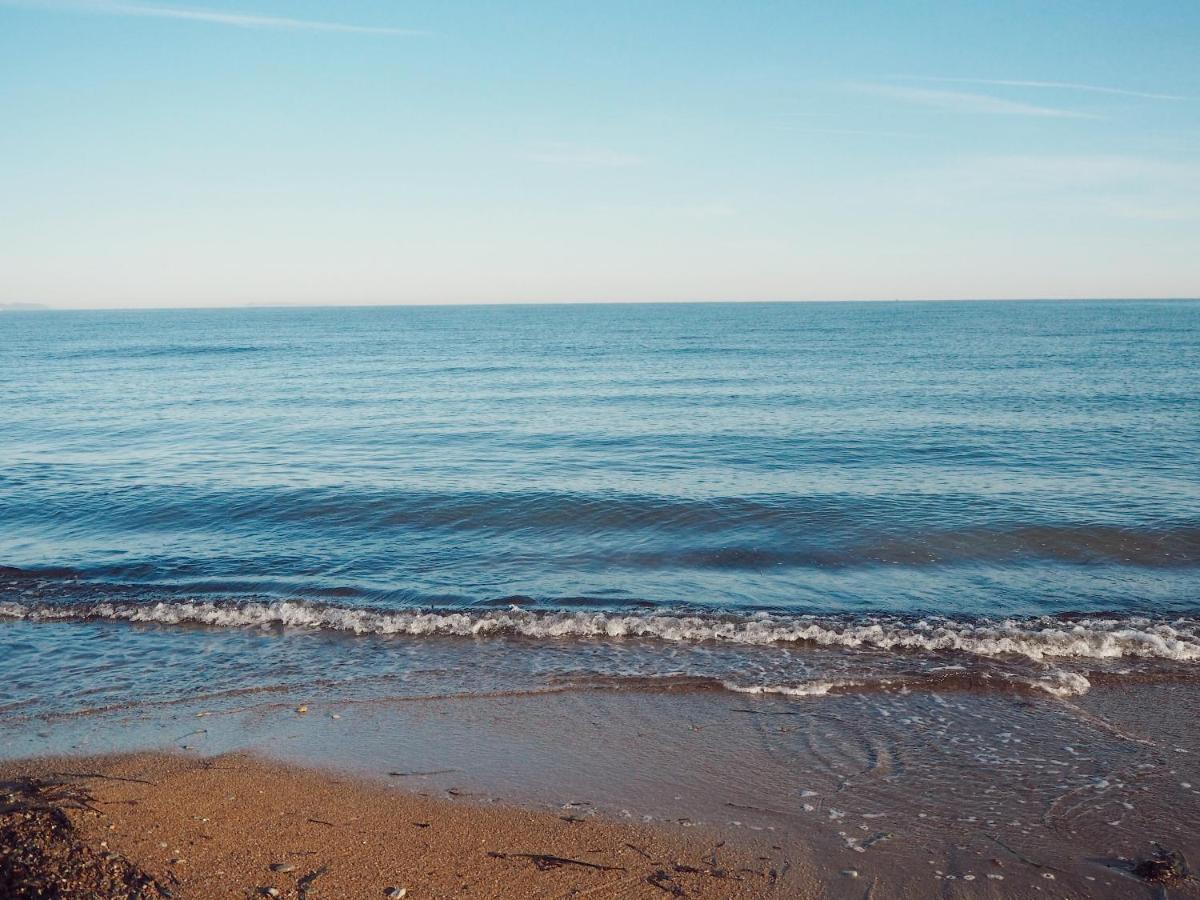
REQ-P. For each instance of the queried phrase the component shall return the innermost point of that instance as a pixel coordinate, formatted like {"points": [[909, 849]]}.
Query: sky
{"points": [[372, 151]]}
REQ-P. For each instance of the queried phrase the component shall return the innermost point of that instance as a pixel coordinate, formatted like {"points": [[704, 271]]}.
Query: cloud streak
{"points": [[1067, 172], [856, 132], [965, 102], [214, 17], [557, 154], [1053, 85]]}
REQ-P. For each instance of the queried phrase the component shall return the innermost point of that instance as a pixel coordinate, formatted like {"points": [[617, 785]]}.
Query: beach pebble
{"points": [[282, 867], [395, 892], [850, 873]]}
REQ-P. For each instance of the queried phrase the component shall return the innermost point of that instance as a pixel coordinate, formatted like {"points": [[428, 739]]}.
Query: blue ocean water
{"points": [[887, 476]]}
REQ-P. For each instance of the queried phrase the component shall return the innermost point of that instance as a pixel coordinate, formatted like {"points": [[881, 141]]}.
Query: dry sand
{"points": [[154, 825]]}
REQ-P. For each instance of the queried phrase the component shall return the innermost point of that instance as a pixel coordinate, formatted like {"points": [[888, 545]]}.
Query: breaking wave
{"points": [[1040, 638]]}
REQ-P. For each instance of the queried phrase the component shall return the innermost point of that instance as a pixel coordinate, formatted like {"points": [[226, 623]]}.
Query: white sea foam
{"points": [[1064, 684], [1056, 683], [1041, 639], [809, 689]]}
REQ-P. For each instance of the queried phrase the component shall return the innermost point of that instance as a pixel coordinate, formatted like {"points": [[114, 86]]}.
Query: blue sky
{"points": [[260, 151]]}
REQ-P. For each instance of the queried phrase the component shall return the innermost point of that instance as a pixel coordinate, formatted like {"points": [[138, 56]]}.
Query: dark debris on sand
{"points": [[41, 855], [1161, 867]]}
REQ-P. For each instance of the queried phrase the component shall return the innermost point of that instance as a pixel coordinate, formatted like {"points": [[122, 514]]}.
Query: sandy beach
{"points": [[161, 825]]}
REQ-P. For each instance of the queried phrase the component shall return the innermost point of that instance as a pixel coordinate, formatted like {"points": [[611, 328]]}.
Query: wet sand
{"points": [[903, 794]]}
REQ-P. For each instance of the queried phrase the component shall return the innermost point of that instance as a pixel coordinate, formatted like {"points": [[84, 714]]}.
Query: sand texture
{"points": [[240, 826]]}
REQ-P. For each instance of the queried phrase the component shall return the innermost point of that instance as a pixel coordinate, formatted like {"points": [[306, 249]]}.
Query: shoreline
{"points": [[903, 795]]}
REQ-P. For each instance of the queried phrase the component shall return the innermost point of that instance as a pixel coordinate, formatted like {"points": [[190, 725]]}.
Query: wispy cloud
{"points": [[211, 17], [557, 154], [1167, 212], [1127, 187], [698, 211], [856, 132], [964, 102], [1074, 171], [1052, 85]]}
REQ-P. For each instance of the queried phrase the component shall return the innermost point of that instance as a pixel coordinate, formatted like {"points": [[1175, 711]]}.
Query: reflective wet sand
{"points": [[953, 793]]}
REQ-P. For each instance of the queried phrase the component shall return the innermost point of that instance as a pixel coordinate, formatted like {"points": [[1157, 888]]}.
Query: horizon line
{"points": [[42, 307]]}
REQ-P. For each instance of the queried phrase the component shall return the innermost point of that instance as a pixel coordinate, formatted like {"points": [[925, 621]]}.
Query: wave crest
{"points": [[1041, 638]]}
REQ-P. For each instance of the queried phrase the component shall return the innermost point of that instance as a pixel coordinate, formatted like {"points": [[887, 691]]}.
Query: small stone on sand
{"points": [[282, 867]]}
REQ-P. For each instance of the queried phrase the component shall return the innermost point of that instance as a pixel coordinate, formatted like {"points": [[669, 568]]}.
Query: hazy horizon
{"points": [[45, 307], [310, 153]]}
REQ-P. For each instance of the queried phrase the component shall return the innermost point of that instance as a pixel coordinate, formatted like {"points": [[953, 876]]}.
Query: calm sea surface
{"points": [[785, 497]]}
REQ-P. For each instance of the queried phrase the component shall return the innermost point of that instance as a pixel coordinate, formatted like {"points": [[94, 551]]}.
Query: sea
{"points": [[794, 499]]}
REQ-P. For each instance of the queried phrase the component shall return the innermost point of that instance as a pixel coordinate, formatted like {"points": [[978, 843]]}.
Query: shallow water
{"points": [[920, 793]]}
